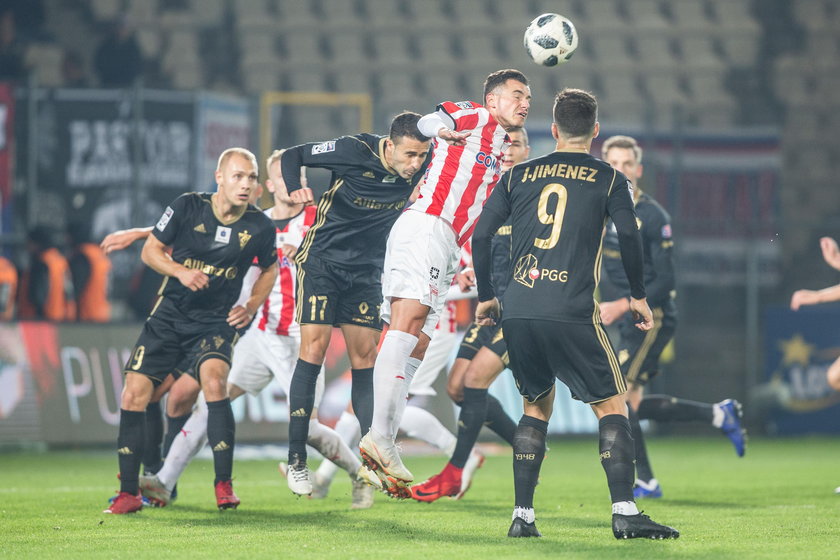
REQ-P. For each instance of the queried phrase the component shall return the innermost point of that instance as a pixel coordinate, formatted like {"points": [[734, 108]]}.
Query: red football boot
{"points": [[125, 503], [225, 498], [446, 483]]}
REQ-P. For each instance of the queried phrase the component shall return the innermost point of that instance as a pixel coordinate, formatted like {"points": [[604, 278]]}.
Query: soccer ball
{"points": [[551, 39]]}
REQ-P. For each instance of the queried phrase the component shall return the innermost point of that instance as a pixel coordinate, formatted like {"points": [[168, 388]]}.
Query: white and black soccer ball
{"points": [[551, 39]]}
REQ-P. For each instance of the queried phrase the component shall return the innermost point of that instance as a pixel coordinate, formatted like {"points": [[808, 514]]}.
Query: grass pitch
{"points": [[777, 502]]}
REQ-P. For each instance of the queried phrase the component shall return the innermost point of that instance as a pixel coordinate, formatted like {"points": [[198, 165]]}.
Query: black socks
{"points": [[301, 402], [528, 454], [130, 448], [221, 429], [361, 395], [497, 420], [473, 412], [664, 408], [153, 436], [617, 454], [643, 469]]}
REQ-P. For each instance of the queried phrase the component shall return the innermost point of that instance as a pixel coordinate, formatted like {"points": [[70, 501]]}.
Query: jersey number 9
{"points": [[553, 219]]}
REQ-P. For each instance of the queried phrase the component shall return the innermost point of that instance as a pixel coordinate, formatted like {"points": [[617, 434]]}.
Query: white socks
{"points": [[186, 444], [348, 428], [718, 415], [625, 508], [390, 385], [421, 424], [332, 447], [526, 514]]}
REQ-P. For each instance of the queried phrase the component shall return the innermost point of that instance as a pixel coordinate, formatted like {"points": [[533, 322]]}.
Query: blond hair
{"points": [[275, 156], [239, 151], [620, 141]]}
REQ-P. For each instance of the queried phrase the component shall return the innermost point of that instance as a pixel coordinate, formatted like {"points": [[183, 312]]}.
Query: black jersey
{"points": [[558, 205], [500, 256], [655, 227], [223, 251], [357, 212]]}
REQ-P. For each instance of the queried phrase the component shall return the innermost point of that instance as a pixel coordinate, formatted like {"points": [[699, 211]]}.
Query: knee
{"points": [[133, 399], [314, 351], [455, 392]]}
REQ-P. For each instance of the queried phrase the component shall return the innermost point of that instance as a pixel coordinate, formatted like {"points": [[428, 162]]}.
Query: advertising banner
{"points": [[222, 122], [61, 384], [799, 348]]}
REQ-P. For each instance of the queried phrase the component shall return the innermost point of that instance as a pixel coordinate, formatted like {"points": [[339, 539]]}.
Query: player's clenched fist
{"points": [[193, 280], [487, 312]]}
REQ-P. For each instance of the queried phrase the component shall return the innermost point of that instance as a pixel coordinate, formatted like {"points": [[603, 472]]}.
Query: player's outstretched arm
{"points": [[154, 255], [441, 125], [241, 315], [814, 297], [121, 239], [831, 252]]}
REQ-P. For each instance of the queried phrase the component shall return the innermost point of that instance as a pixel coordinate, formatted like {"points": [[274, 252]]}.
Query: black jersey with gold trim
{"points": [[201, 240], [558, 205], [657, 238], [364, 200]]}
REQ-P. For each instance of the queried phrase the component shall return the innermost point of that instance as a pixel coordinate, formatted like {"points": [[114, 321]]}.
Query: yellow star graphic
{"points": [[796, 351]]}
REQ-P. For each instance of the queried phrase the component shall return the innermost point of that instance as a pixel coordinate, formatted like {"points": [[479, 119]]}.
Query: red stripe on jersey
{"points": [[467, 122], [477, 174], [287, 288], [264, 317], [447, 176]]}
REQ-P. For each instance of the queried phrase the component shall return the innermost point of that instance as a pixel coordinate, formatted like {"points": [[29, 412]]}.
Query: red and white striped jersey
{"points": [[460, 178], [277, 313]]}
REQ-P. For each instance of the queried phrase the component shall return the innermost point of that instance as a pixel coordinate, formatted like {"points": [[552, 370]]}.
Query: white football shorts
{"points": [[421, 259]]}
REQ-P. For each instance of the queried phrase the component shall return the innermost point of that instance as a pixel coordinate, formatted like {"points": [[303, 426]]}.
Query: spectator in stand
{"points": [[117, 60], [11, 50], [8, 289], [46, 290], [90, 270]]}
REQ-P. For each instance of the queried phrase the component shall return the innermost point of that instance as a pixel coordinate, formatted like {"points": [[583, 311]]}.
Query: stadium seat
{"points": [[690, 14], [260, 74], [655, 51], [647, 16], [437, 49], [307, 79], [740, 47], [351, 80], [430, 14], [302, 47], [383, 13], [105, 10], [258, 44], [665, 87], [142, 12], [612, 51], [343, 14], [348, 47], [707, 84], [698, 51], [296, 16], [393, 47], [471, 14], [479, 47], [207, 13]]}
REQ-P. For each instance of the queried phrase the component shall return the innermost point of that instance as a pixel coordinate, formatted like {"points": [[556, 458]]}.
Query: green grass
{"points": [[777, 502]]}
